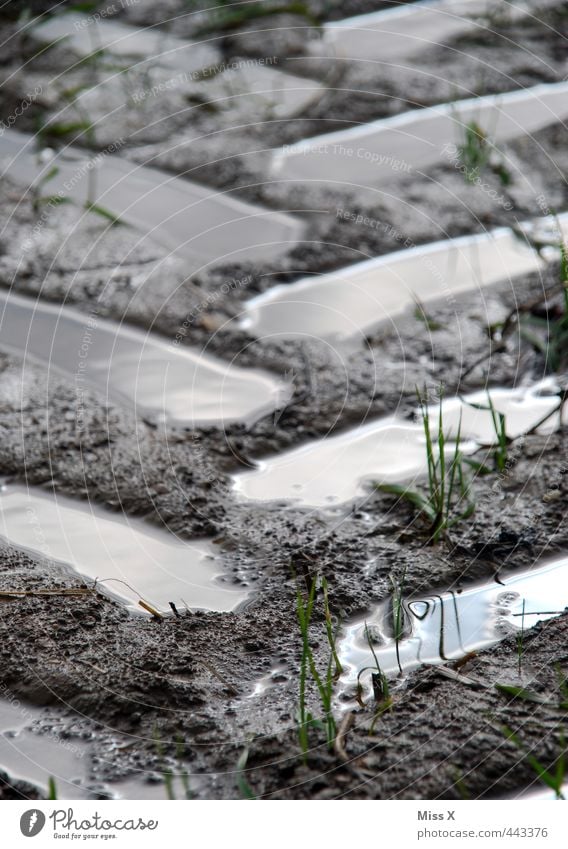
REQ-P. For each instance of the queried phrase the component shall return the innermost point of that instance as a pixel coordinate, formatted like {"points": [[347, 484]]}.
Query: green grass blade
{"points": [[521, 693], [411, 495], [104, 213], [243, 786], [545, 776]]}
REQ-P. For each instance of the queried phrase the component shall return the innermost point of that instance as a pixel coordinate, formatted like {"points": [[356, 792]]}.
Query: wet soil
{"points": [[191, 678]]}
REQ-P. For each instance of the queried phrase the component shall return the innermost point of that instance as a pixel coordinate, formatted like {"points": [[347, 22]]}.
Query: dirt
{"points": [[191, 678]]}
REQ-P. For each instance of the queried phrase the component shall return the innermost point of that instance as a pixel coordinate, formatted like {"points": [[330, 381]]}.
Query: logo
{"points": [[32, 822]]}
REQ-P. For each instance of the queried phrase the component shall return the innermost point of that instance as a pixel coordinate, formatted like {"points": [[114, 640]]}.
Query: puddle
{"points": [[416, 139], [538, 793], [395, 34], [338, 469], [200, 224], [34, 748], [334, 470], [350, 301], [277, 676], [35, 757], [447, 626], [84, 36], [243, 83], [174, 384], [97, 543], [523, 408], [264, 91]]}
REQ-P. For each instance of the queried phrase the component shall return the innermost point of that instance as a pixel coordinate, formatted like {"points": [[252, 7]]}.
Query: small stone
{"points": [[551, 495]]}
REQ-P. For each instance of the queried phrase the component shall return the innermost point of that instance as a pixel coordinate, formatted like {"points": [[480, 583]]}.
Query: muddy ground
{"points": [[191, 678]]}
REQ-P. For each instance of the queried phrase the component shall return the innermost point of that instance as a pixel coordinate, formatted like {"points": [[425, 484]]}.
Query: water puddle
{"points": [[395, 34], [335, 470], [523, 408], [169, 382], [277, 676], [241, 84], [338, 469], [85, 36], [416, 139], [348, 302], [34, 758], [262, 91], [34, 747], [131, 559], [238, 95], [438, 628], [200, 224], [538, 793], [246, 85]]}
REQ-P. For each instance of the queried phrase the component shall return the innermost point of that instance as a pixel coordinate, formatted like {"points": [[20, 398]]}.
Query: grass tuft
{"points": [[104, 213], [549, 335], [244, 788], [554, 780], [324, 683], [501, 442], [449, 497], [477, 153], [379, 681]]}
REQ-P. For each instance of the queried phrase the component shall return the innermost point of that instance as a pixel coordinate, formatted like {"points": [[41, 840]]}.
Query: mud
{"points": [[220, 682]]}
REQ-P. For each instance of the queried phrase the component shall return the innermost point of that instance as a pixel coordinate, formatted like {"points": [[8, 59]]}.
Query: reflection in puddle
{"points": [[96, 543], [34, 757], [84, 36], [350, 301], [243, 85], [334, 470], [200, 224], [394, 34], [450, 625], [539, 793], [35, 746], [173, 383], [523, 408], [416, 139], [338, 469]]}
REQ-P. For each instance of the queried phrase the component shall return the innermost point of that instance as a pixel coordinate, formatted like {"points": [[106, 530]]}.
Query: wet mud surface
{"points": [[207, 684]]}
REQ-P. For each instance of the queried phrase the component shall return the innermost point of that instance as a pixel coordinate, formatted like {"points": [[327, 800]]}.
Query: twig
{"points": [[155, 613], [446, 672], [69, 591], [232, 690], [339, 743]]}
